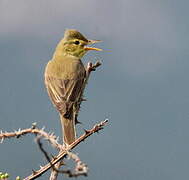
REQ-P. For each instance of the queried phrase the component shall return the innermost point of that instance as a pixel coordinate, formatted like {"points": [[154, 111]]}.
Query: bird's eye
{"points": [[76, 42]]}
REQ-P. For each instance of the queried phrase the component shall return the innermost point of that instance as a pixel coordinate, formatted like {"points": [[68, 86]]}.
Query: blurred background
{"points": [[142, 86]]}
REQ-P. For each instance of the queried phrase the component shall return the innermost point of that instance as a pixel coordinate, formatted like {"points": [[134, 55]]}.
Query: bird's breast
{"points": [[67, 68]]}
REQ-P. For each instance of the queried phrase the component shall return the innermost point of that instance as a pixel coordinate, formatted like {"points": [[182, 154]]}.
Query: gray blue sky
{"points": [[142, 86]]}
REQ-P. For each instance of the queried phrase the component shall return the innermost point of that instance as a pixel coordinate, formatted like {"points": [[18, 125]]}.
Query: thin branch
{"points": [[56, 159], [81, 168], [54, 174], [33, 130], [90, 67]]}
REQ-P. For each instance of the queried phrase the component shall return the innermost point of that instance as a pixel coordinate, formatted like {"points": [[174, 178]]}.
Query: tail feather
{"points": [[68, 128]]}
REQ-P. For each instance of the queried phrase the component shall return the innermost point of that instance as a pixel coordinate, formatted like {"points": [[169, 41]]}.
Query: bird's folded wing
{"points": [[63, 92]]}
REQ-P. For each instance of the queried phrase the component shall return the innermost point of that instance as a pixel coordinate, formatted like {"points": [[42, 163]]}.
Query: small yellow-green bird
{"points": [[64, 78]]}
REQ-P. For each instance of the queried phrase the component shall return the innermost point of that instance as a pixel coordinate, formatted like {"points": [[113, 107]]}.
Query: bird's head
{"points": [[75, 44]]}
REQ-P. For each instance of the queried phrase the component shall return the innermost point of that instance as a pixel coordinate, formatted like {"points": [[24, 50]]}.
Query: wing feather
{"points": [[63, 93]]}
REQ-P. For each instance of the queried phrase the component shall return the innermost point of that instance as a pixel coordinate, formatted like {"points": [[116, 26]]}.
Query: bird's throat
{"points": [[79, 53]]}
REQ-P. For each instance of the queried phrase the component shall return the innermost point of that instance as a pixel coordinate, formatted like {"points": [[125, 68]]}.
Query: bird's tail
{"points": [[68, 128]]}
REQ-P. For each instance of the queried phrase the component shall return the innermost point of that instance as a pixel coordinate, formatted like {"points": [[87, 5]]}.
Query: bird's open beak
{"points": [[92, 48]]}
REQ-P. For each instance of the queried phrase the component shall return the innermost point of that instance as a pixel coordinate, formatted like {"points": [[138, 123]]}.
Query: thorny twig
{"points": [[54, 174], [59, 157], [52, 140], [90, 67], [80, 168], [33, 130]]}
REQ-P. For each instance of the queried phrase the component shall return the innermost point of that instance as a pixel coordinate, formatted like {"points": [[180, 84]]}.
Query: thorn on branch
{"points": [[2, 140], [86, 131], [34, 125], [53, 157], [83, 99], [34, 172], [77, 122]]}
